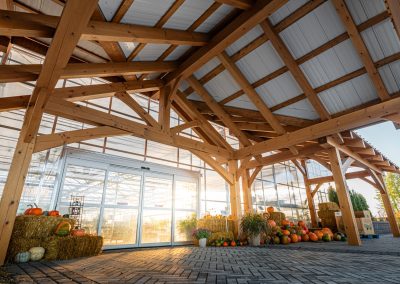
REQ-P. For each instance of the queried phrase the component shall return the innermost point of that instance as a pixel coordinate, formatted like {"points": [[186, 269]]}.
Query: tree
{"points": [[357, 199], [392, 182]]}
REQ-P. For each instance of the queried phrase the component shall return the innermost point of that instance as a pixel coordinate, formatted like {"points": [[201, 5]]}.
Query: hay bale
{"points": [[37, 227], [216, 224], [326, 214], [278, 217], [325, 206]]}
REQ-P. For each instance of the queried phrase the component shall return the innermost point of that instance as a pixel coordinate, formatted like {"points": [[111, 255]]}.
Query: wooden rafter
{"points": [[215, 165], [361, 48], [240, 4], [393, 6]]}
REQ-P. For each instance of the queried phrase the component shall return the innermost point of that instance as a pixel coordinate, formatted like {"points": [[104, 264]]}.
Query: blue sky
{"points": [[386, 139]]}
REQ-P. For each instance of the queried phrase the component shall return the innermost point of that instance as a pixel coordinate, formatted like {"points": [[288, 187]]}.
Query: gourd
{"points": [[270, 209], [313, 237], [326, 238], [78, 232], [285, 223], [37, 253], [54, 213], [63, 229], [294, 238], [271, 223], [22, 257], [33, 210]]}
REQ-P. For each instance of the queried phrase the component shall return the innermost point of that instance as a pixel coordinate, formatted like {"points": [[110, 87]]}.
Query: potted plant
{"points": [[202, 235], [253, 224]]}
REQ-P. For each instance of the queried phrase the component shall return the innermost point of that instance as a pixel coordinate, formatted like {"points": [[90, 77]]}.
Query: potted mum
{"points": [[253, 224], [202, 235]]}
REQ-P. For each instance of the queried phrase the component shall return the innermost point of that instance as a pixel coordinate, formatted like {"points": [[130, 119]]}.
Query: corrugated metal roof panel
{"points": [[381, 40], [215, 18], [260, 62], [244, 40], [279, 90], [187, 13], [362, 10], [151, 52], [127, 47], [313, 30], [390, 74], [178, 52], [221, 86], [109, 7], [332, 64], [286, 10], [350, 94], [46, 7], [146, 12], [210, 65], [242, 102], [301, 109], [194, 96]]}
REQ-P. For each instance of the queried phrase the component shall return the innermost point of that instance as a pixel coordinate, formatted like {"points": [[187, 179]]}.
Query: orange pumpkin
{"points": [[305, 238], [319, 234], [313, 237], [294, 238], [327, 231], [301, 223], [286, 232], [300, 238], [225, 244], [285, 222], [233, 243], [54, 213], [270, 209], [36, 211], [78, 232], [271, 223], [285, 240]]}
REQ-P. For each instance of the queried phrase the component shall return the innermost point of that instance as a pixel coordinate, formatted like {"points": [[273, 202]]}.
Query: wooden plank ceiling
{"points": [[263, 129]]}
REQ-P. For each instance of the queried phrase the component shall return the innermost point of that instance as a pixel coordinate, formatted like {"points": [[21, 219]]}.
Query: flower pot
{"points": [[255, 241], [203, 242]]}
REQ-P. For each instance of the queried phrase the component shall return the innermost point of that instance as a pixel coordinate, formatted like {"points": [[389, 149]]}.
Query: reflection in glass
{"points": [[157, 192], [119, 226], [185, 223], [185, 195], [156, 226], [123, 189]]}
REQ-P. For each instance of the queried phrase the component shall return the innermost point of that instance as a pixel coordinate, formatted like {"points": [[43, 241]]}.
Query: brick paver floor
{"points": [[276, 264]]}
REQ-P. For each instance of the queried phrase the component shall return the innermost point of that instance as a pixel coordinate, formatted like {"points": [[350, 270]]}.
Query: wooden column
{"points": [[234, 195], [389, 209], [310, 198], [246, 191], [164, 112], [353, 237]]}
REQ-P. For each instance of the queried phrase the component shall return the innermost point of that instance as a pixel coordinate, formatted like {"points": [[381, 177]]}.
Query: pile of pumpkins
{"points": [[290, 232]]}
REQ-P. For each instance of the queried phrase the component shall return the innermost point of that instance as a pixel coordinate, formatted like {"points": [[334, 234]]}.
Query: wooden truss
{"points": [[328, 140]]}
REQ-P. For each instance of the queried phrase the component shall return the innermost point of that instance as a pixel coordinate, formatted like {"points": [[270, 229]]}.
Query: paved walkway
{"points": [[276, 264]]}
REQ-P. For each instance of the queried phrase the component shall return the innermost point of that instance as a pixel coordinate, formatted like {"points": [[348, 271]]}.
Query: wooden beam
{"points": [[394, 226], [164, 108], [361, 48], [254, 175], [215, 165], [240, 4], [393, 6], [234, 195], [229, 34], [294, 68], [136, 107], [353, 237], [38, 25], [184, 126], [29, 72], [122, 10], [13, 103], [65, 39], [352, 175], [348, 121], [246, 192], [310, 198], [347, 164]]}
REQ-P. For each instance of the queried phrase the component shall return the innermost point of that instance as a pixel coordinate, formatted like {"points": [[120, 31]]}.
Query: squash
{"points": [[326, 238], [305, 238], [272, 223], [285, 240], [294, 238], [276, 240], [54, 213], [270, 209], [37, 253], [78, 232], [319, 234], [28, 210], [285, 222], [327, 231], [22, 257], [33, 210], [286, 232], [313, 237], [63, 229], [337, 237]]}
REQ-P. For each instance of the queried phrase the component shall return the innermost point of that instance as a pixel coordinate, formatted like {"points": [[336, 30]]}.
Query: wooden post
{"points": [[164, 108], [246, 191], [234, 194], [389, 209], [353, 237], [310, 198]]}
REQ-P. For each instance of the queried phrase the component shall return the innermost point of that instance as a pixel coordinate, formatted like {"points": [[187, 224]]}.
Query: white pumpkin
{"points": [[22, 257], [37, 253]]}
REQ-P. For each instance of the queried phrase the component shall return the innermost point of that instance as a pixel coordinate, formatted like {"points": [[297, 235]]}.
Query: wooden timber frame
{"points": [[329, 140]]}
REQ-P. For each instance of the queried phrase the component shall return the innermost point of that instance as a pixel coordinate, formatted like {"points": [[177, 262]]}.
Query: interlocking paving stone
{"points": [[325, 263]]}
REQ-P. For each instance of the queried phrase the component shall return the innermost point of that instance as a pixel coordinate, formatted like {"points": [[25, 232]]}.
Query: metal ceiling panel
{"points": [[381, 40], [210, 65], [286, 10], [390, 74], [279, 90], [222, 86], [108, 7], [215, 18], [151, 52], [349, 94], [313, 30], [362, 10], [260, 62], [301, 109], [244, 40], [146, 12], [187, 14], [178, 52], [242, 102], [44, 6], [332, 64]]}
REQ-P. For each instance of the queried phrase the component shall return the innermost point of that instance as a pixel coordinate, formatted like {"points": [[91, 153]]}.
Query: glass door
{"points": [[156, 218]]}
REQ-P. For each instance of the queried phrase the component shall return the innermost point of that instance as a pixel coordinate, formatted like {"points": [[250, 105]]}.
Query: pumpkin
{"points": [[78, 232], [301, 223], [319, 234], [233, 243], [22, 257], [270, 209], [276, 240], [28, 210], [291, 224], [63, 229], [313, 237], [294, 238], [225, 244], [326, 238], [37, 253], [305, 238], [271, 223], [285, 240], [285, 222], [337, 237], [36, 211], [54, 213], [327, 231], [286, 232], [300, 238]]}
